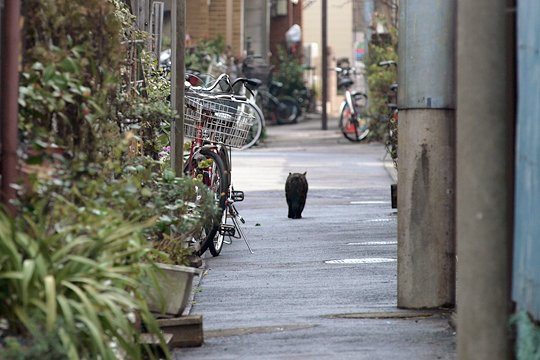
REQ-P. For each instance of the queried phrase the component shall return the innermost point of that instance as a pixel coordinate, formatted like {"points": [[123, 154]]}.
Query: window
{"points": [[279, 7]]}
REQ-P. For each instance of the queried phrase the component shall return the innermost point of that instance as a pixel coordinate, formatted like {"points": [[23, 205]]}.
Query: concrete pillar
{"points": [[484, 178], [426, 231], [426, 255]]}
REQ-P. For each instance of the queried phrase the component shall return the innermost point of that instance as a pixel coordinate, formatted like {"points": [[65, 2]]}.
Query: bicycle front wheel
{"points": [[355, 127], [215, 177], [256, 130]]}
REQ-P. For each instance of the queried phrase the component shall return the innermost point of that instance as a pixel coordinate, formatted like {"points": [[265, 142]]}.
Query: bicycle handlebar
{"points": [[387, 63]]}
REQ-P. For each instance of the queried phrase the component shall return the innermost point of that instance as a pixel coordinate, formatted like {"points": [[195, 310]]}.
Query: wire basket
{"points": [[216, 120]]}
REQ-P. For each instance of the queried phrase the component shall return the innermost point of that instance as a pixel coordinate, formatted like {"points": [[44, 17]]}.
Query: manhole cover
{"points": [[373, 243], [373, 202], [361, 261]]}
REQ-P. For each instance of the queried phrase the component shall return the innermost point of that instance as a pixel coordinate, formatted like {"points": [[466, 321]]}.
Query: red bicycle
{"points": [[216, 122]]}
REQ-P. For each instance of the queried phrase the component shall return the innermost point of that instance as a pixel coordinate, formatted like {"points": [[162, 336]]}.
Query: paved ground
{"points": [[322, 287]]}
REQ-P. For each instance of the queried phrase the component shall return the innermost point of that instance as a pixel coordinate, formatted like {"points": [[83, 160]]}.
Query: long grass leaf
{"points": [[24, 318], [69, 344], [50, 296], [28, 272], [87, 308], [67, 313], [14, 275], [98, 341]]}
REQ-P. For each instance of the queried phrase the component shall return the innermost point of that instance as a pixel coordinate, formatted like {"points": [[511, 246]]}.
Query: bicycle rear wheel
{"points": [[215, 177], [355, 127], [287, 111]]}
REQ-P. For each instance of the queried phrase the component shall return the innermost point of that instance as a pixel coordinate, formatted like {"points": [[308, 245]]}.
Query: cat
{"points": [[296, 188]]}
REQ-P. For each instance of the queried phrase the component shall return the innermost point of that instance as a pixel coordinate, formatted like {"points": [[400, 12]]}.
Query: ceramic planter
{"points": [[176, 282]]}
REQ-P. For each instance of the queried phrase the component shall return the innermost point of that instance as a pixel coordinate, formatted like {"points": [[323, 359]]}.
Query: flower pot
{"points": [[175, 283]]}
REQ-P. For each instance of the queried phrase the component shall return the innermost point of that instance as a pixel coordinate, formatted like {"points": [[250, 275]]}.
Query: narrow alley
{"points": [[324, 286]]}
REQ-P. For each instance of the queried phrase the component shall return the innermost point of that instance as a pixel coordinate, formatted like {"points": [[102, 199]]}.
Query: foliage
{"points": [[78, 278], [381, 48], [73, 262], [56, 106], [137, 189], [290, 72], [69, 102], [199, 57], [44, 346]]}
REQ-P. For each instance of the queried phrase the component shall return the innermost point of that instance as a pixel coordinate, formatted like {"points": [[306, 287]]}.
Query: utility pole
{"points": [[485, 78], [426, 173], [177, 88], [324, 70]]}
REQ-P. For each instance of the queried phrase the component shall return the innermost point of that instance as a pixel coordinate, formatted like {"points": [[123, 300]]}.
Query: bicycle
{"points": [[279, 109], [216, 122], [353, 118], [392, 116]]}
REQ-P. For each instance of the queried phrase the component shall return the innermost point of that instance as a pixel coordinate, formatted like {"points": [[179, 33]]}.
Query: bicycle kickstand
{"points": [[236, 218]]}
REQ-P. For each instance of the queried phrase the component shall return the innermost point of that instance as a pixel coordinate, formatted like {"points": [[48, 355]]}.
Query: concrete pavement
{"points": [[322, 287]]}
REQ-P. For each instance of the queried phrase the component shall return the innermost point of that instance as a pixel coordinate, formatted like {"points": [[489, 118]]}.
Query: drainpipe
{"points": [[178, 80], [11, 39]]}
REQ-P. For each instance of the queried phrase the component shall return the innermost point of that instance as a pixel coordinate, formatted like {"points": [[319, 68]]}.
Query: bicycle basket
{"points": [[216, 120]]}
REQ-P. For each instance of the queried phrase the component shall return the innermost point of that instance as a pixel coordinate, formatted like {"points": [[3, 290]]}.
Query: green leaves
{"points": [[80, 282]]}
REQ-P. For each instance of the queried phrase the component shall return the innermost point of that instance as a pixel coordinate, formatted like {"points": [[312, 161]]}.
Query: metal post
{"points": [[11, 42], [426, 230], [324, 70], [484, 179], [177, 88]]}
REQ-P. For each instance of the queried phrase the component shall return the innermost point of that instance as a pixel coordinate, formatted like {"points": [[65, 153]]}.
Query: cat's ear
{"points": [[305, 173], [289, 174]]}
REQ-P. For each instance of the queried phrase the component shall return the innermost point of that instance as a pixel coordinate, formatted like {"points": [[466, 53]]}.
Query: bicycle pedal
{"points": [[237, 196], [226, 229]]}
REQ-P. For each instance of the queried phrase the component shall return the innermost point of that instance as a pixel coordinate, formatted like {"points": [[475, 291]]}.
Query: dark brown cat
{"points": [[296, 188]]}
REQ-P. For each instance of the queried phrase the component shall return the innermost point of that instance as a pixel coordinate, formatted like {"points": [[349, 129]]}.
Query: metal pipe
{"points": [[178, 79], [324, 70], [11, 41]]}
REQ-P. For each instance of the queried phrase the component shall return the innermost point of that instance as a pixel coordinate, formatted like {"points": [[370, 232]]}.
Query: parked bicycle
{"points": [[216, 122], [277, 108], [391, 140], [353, 118]]}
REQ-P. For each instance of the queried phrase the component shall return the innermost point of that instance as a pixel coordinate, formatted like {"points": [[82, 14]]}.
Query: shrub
{"points": [[78, 278]]}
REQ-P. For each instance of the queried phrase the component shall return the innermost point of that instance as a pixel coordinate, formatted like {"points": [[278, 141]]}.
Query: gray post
{"points": [[426, 243], [484, 179], [324, 62], [177, 88]]}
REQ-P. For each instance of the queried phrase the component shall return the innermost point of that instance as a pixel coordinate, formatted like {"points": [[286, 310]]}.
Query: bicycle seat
{"points": [[251, 83], [359, 94], [394, 87], [345, 83]]}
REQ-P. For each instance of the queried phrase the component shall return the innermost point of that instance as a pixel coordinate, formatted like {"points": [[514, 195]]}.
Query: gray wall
{"points": [[257, 25]]}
